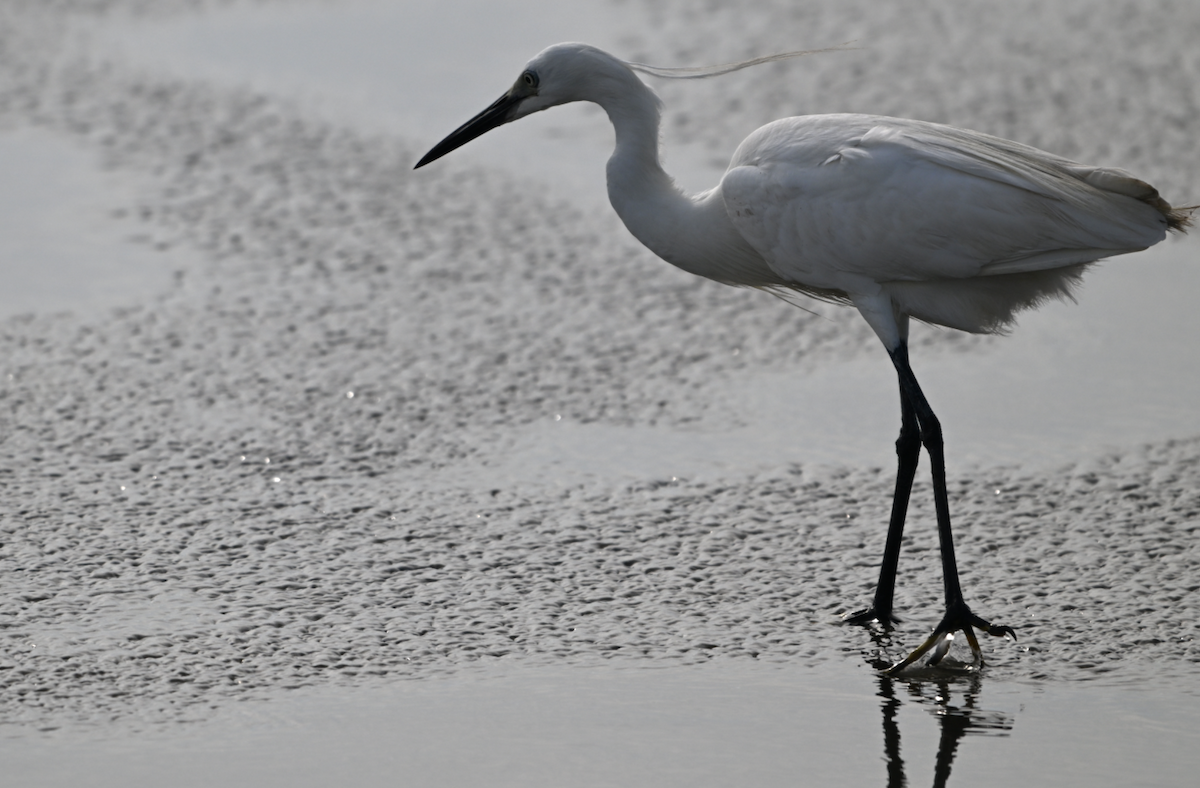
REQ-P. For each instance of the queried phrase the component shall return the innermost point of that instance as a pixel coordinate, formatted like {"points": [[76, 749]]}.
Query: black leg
{"points": [[958, 615], [908, 453]]}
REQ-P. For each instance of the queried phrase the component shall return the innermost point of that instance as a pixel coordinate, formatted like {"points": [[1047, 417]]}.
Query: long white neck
{"points": [[693, 233]]}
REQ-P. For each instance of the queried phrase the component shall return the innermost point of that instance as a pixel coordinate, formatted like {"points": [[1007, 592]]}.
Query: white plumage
{"points": [[901, 218], [916, 213]]}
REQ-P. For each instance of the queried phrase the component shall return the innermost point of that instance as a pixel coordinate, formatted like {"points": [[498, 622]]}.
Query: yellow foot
{"points": [[958, 619]]}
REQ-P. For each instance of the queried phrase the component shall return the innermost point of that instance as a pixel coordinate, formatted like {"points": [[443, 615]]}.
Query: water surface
{"points": [[1117, 370], [730, 722]]}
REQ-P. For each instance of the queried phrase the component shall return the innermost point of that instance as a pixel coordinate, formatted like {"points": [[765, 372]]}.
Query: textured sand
{"points": [[253, 482]]}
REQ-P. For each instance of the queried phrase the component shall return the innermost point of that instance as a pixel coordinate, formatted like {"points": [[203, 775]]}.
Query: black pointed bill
{"points": [[499, 113]]}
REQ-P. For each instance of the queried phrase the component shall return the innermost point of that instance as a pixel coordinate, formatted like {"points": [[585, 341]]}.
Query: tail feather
{"points": [[1178, 219], [1111, 179]]}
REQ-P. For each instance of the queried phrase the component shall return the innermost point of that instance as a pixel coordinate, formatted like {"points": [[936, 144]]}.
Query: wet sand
{"points": [[312, 464]]}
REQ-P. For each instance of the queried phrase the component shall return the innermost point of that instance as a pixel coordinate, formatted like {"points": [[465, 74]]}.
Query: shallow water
{"points": [[68, 239], [723, 723], [1119, 369]]}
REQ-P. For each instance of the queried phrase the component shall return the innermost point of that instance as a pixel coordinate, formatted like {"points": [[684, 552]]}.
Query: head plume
{"points": [[701, 72]]}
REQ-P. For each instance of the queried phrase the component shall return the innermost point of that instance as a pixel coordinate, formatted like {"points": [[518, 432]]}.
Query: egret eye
{"points": [[530, 80]]}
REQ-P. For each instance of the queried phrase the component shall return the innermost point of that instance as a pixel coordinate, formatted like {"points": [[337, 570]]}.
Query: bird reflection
{"points": [[952, 698]]}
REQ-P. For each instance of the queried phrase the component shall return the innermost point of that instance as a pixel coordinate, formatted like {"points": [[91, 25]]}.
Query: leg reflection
{"points": [[956, 719], [891, 733]]}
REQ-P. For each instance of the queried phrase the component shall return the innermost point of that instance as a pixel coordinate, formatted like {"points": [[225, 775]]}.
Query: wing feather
{"points": [[841, 201]]}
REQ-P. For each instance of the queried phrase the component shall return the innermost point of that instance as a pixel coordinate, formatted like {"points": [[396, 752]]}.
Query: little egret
{"points": [[899, 218]]}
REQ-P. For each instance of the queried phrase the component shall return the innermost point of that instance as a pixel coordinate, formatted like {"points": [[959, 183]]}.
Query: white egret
{"points": [[899, 218]]}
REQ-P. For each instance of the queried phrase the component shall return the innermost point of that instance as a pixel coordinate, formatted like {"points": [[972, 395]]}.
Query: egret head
{"points": [[558, 75], [578, 72]]}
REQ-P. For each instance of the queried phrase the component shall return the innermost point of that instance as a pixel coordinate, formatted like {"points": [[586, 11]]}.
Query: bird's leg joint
{"points": [[909, 441], [931, 434]]}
